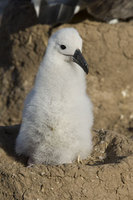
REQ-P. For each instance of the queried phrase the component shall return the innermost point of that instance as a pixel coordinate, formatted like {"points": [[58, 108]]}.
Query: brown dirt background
{"points": [[108, 173]]}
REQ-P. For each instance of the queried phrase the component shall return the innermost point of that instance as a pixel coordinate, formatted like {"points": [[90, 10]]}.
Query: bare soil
{"points": [[108, 173]]}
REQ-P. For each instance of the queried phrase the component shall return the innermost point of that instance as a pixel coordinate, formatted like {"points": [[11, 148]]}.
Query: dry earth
{"points": [[108, 173]]}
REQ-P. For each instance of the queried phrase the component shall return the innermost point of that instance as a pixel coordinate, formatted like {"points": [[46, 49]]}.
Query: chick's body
{"points": [[57, 116]]}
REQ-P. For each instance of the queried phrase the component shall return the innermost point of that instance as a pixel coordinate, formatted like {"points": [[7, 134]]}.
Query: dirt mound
{"points": [[107, 174], [108, 50], [18, 68]]}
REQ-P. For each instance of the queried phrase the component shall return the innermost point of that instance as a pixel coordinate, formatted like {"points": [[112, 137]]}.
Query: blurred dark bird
{"points": [[56, 12], [107, 10], [61, 11]]}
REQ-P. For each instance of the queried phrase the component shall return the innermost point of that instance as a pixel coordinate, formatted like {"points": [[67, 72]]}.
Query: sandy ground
{"points": [[108, 173]]}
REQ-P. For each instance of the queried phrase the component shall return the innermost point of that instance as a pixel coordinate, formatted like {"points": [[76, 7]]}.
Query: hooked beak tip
{"points": [[80, 60]]}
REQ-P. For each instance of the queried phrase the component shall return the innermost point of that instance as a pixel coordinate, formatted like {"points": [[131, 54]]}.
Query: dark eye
{"points": [[62, 46]]}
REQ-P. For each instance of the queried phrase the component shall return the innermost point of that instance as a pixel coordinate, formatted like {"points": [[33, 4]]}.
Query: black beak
{"points": [[79, 59]]}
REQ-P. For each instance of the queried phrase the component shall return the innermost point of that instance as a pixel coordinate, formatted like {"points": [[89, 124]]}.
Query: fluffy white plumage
{"points": [[57, 115]]}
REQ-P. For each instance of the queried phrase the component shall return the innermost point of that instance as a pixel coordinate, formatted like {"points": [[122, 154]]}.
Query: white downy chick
{"points": [[57, 115]]}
